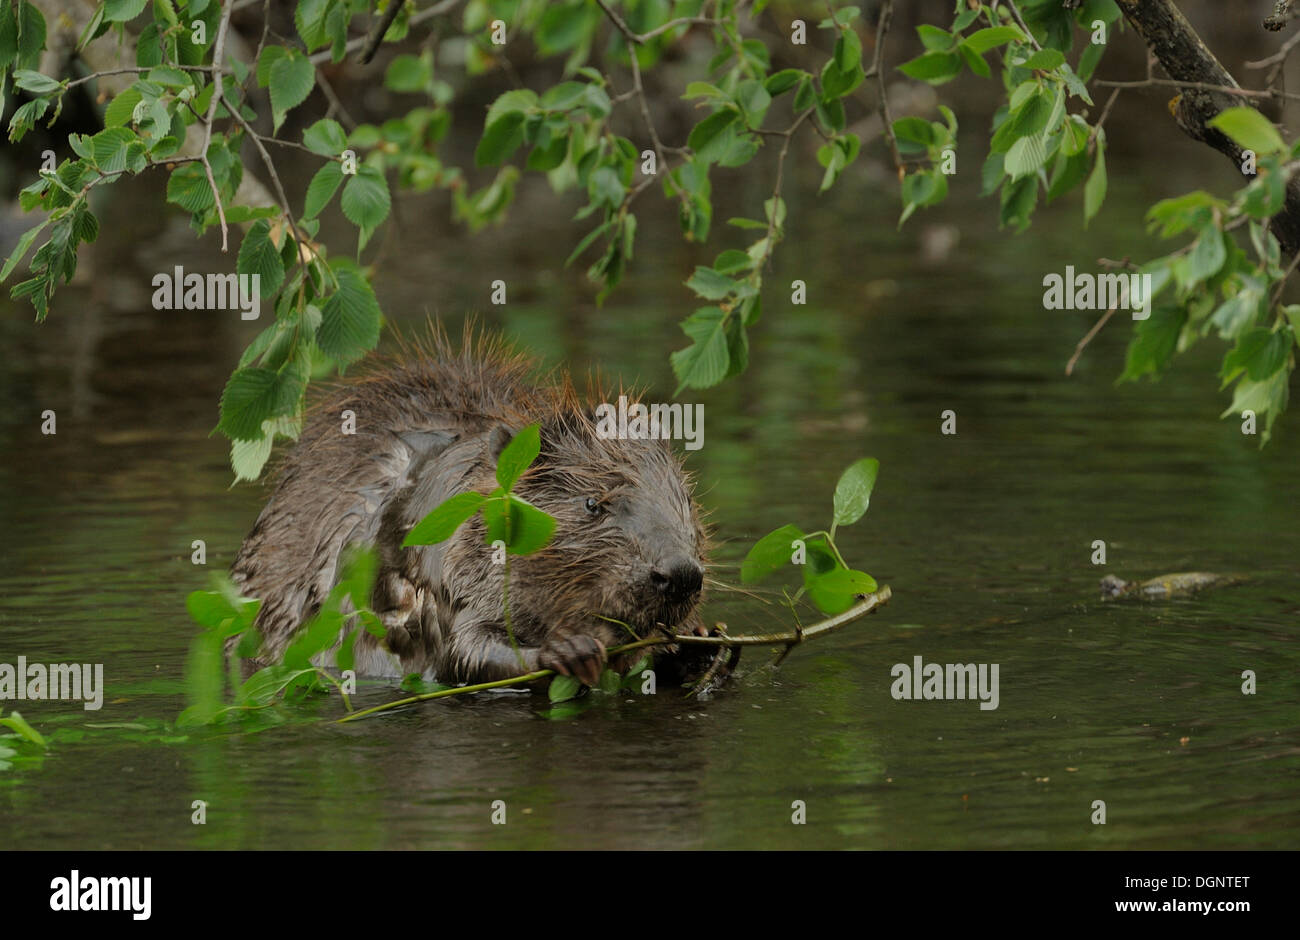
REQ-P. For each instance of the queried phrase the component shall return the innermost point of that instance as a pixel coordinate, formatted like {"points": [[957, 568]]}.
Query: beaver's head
{"points": [[628, 543]]}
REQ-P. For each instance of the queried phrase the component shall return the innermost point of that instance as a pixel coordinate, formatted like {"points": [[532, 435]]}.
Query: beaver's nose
{"points": [[678, 580]]}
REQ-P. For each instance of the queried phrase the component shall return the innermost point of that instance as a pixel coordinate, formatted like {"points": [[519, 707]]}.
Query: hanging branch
{"points": [[868, 604]]}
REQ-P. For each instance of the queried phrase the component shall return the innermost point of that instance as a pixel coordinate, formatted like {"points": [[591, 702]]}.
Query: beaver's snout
{"points": [[678, 581]]}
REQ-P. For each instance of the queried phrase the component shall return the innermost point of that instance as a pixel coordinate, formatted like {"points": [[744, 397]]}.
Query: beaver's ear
{"points": [[497, 440], [500, 436]]}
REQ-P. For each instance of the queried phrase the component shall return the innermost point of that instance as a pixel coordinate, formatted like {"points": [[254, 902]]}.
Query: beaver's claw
{"points": [[580, 656]]}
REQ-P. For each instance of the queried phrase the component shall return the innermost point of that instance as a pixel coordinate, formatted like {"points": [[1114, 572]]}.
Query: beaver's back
{"points": [[338, 486]]}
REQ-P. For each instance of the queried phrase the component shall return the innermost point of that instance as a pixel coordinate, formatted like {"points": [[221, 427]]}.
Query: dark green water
{"points": [[985, 538]]}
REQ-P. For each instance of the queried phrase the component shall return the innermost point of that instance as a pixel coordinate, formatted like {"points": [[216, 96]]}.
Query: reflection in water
{"points": [[985, 537]]}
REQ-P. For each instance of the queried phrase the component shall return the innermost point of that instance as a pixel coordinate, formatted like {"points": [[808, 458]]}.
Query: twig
{"points": [[1286, 275], [639, 38], [1280, 56], [1096, 328], [134, 70], [256, 138], [1105, 113], [865, 606], [1024, 27], [326, 55], [1277, 60], [379, 30], [886, 119], [1199, 86], [217, 49], [336, 106], [776, 190]]}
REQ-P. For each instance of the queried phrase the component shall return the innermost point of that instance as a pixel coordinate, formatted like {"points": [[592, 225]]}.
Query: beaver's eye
{"points": [[594, 506]]}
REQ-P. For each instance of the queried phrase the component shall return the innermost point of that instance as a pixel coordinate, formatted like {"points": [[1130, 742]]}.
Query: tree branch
{"points": [[379, 30], [208, 121], [868, 604], [1208, 89]]}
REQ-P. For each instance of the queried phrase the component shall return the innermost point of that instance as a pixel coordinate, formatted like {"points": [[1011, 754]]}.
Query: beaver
{"points": [[627, 556]]}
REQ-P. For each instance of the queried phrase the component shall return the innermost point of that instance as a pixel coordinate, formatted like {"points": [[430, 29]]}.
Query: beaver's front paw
{"points": [[580, 656]]}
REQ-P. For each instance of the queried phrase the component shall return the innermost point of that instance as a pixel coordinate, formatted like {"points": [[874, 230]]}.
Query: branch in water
{"points": [[865, 606]]}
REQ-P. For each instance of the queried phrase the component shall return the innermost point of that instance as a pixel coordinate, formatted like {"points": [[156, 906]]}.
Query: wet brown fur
{"points": [[429, 423]]}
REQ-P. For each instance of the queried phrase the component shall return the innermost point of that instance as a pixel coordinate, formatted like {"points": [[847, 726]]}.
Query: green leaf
{"points": [[826, 594], [326, 138], [981, 41], [408, 73], [1205, 259], [322, 188], [563, 688], [516, 456], [846, 581], [8, 39], [292, 79], [705, 362], [16, 723], [934, 38], [350, 319], [587, 240], [1094, 191], [1153, 344], [31, 35], [366, 200], [778, 83], [247, 458], [35, 82], [771, 552], [310, 18], [530, 528], [500, 139], [109, 148], [711, 138], [1250, 129], [121, 108], [318, 635], [933, 67], [253, 395], [806, 94], [853, 491], [265, 684], [521, 526], [188, 187], [1026, 156], [1267, 397], [710, 284], [259, 255], [1238, 312], [848, 50], [914, 130], [1044, 60], [24, 243], [123, 11], [223, 611], [605, 188], [1259, 353], [270, 56], [440, 524], [754, 100]]}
